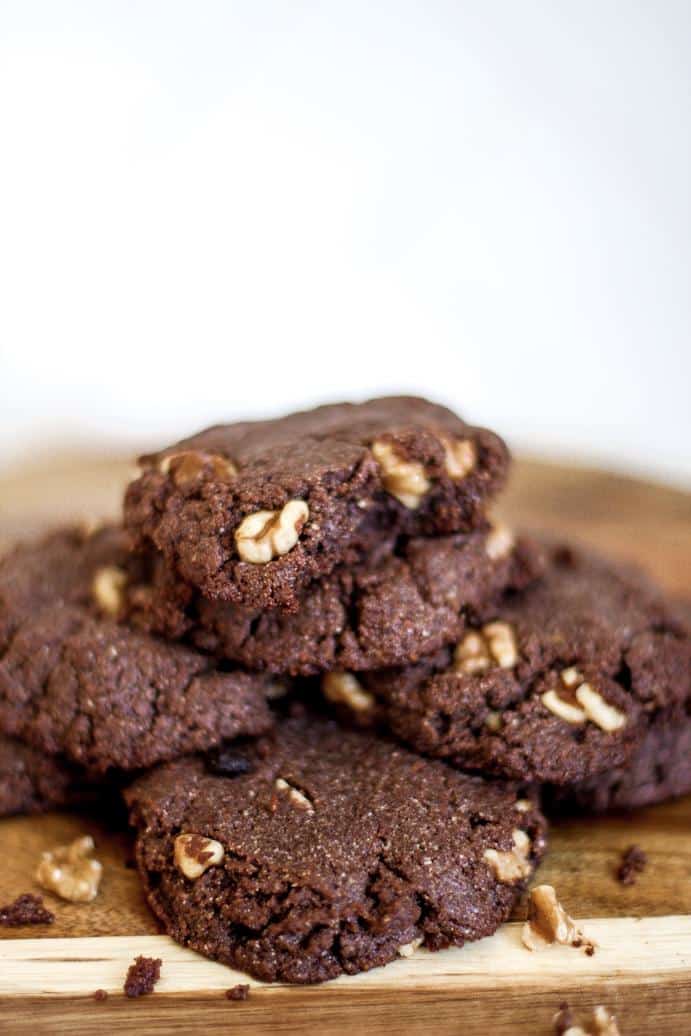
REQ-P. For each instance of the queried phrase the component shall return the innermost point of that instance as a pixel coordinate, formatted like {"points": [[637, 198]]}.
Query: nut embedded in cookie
{"points": [[494, 644], [108, 589], [346, 689], [460, 457], [588, 705], [404, 479], [514, 865], [265, 535], [187, 465], [194, 854]]}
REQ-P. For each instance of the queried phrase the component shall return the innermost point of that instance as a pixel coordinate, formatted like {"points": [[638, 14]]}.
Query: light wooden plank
{"points": [[629, 949]]}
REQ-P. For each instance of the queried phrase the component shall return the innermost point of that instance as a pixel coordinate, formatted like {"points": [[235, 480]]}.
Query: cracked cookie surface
{"points": [[253, 512], [391, 610], [561, 685], [337, 852], [75, 683]]}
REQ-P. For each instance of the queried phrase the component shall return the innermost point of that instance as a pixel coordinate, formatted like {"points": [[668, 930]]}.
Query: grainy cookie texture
{"points": [[252, 512], [76, 684], [337, 852], [561, 685], [407, 600], [27, 909], [660, 768], [142, 976], [31, 781]]}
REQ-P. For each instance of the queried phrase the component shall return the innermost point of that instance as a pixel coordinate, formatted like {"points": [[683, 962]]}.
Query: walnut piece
{"points": [[404, 479], [563, 709], [460, 457], [598, 711], [494, 644], [493, 721], [346, 689], [548, 922], [186, 465], [295, 796], [265, 535], [107, 589], [409, 948], [513, 865], [589, 704], [500, 542], [605, 1024], [69, 872], [194, 854]]}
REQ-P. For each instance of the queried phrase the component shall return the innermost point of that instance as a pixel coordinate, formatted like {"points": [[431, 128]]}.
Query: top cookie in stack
{"points": [[251, 513], [347, 537]]}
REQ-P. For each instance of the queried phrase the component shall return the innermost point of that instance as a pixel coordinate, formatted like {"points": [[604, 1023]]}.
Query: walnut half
{"points": [[265, 535], [70, 872]]}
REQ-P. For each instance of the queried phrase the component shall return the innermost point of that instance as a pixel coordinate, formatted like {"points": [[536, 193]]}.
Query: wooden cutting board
{"points": [[641, 969]]}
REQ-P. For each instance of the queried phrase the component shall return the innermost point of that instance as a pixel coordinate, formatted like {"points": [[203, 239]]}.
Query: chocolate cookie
{"points": [[337, 852], [561, 685], [393, 610], [660, 769], [31, 781], [253, 512], [75, 683]]}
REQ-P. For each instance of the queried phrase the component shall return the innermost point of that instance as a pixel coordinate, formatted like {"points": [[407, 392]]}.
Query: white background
{"points": [[213, 209]]}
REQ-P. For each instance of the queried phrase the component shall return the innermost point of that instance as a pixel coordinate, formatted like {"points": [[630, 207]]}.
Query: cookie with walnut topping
{"points": [[251, 513], [336, 852], [406, 601], [75, 683], [560, 685]]}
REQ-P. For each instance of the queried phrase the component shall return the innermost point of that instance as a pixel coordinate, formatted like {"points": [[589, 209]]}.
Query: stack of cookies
{"points": [[332, 691]]}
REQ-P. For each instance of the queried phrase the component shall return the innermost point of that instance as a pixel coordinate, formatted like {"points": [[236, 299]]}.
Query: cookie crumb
{"points": [[239, 992], [633, 863], [26, 909], [142, 976], [100, 995]]}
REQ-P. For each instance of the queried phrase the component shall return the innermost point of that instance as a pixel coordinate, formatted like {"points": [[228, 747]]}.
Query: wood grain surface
{"points": [[643, 970]]}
